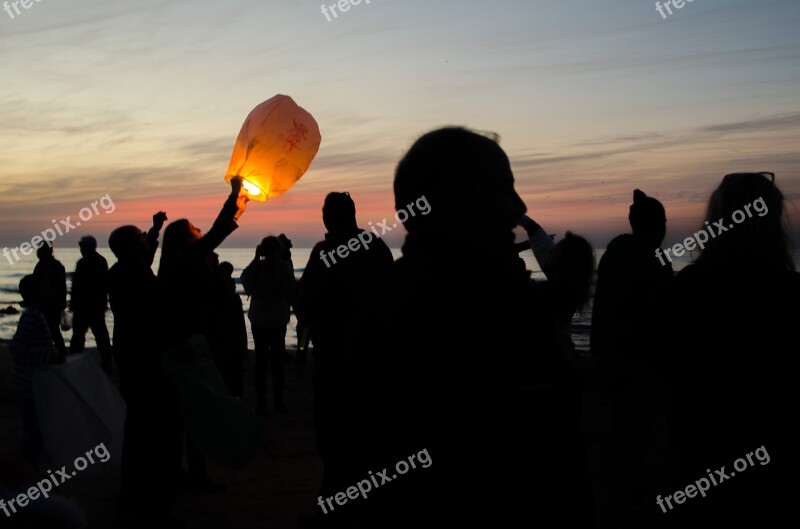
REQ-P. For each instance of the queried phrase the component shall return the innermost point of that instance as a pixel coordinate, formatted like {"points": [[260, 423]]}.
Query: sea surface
{"points": [[10, 276]]}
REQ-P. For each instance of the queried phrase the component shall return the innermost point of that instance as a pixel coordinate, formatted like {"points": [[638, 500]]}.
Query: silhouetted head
{"points": [[466, 179], [339, 213], [572, 262], [648, 219], [226, 268], [128, 242], [33, 291], [287, 246], [271, 248], [178, 237], [754, 205], [44, 251], [88, 245], [181, 234]]}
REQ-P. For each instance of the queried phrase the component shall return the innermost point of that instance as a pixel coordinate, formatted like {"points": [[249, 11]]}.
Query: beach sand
{"points": [[282, 480]]}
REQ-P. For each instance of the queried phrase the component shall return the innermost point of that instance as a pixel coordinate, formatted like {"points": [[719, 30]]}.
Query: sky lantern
{"points": [[276, 145]]}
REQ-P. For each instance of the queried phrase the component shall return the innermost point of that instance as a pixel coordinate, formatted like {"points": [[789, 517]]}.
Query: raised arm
{"points": [[152, 235], [540, 241], [225, 224]]}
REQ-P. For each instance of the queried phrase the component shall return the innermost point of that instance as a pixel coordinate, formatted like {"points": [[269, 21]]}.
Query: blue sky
{"points": [[143, 101]]}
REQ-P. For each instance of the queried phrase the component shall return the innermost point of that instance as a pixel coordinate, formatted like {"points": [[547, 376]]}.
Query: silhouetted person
{"points": [[331, 290], [570, 268], [52, 272], [503, 436], [196, 293], [269, 281], [287, 249], [234, 341], [89, 301], [152, 448], [31, 347], [628, 341], [735, 363], [303, 332]]}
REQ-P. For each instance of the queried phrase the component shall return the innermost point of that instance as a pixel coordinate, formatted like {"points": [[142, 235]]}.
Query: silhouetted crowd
{"points": [[456, 350]]}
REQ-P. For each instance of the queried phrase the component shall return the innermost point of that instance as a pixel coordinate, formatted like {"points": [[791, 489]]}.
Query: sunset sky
{"points": [[142, 100]]}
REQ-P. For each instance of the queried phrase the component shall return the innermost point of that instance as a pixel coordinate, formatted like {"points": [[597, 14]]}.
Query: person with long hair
{"points": [[270, 283], [733, 367], [196, 293], [570, 269], [189, 271]]}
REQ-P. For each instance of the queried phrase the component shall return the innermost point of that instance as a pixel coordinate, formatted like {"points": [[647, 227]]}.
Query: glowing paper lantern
{"points": [[276, 145]]}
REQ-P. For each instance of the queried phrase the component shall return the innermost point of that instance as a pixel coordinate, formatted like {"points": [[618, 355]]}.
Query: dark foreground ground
{"points": [[281, 482]]}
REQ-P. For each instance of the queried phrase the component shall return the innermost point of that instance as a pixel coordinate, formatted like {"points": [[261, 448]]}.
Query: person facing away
{"points": [[89, 301], [327, 302], [235, 338], [189, 272], [502, 437], [152, 449], [302, 330], [31, 348], [627, 315], [628, 336], [287, 249], [196, 293], [332, 287], [270, 283], [53, 273], [734, 366], [570, 269]]}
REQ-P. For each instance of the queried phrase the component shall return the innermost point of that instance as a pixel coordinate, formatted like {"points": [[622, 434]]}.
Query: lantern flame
{"points": [[251, 189], [276, 145]]}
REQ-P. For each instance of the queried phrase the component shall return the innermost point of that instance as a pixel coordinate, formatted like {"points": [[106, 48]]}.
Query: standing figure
{"points": [[54, 276], [152, 449], [235, 340], [196, 292], [89, 301], [628, 344], [31, 347], [269, 281], [330, 294], [432, 367], [734, 404]]}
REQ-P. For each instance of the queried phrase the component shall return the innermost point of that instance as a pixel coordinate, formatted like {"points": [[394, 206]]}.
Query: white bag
{"points": [[79, 408]]}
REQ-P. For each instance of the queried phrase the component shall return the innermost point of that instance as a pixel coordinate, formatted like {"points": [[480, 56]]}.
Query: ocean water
{"points": [[10, 276]]}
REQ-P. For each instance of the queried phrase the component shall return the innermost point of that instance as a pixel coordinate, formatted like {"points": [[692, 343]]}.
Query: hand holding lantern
{"points": [[241, 200]]}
